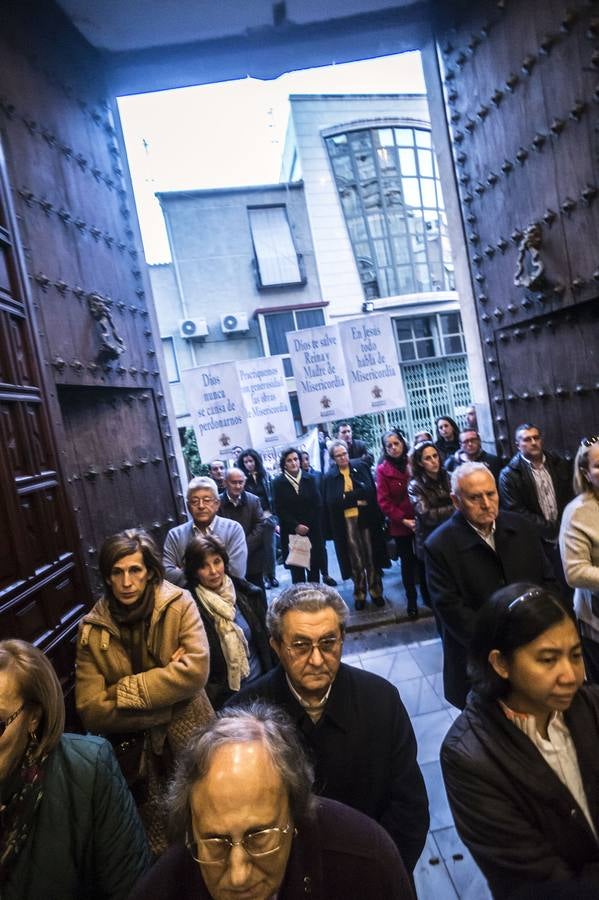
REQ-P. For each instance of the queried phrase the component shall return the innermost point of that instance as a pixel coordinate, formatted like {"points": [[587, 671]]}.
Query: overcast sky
{"points": [[232, 133]]}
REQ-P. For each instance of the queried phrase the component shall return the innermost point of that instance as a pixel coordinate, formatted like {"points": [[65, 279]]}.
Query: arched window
{"points": [[389, 189]]}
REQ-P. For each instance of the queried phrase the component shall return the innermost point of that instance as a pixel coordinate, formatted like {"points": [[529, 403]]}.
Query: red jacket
{"points": [[392, 496]]}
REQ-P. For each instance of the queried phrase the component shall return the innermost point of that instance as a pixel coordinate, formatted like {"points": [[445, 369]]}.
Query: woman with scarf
{"points": [[258, 483], [68, 825], [234, 616], [142, 664], [297, 503]]}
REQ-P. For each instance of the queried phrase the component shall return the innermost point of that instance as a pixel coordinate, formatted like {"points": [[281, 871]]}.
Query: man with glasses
{"points": [[352, 722], [203, 503], [474, 553], [471, 451], [247, 825]]}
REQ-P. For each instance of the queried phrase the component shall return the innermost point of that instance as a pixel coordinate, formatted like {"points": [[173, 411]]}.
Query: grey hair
{"points": [[202, 482], [334, 444], [258, 721], [308, 597], [463, 471]]}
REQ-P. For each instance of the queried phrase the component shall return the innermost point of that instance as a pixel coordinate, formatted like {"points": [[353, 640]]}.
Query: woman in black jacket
{"points": [[448, 436], [429, 491], [520, 764], [258, 483], [297, 503], [234, 615]]}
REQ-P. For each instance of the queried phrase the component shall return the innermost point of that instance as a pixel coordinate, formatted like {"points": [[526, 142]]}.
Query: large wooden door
{"points": [[41, 583], [521, 84], [85, 448]]}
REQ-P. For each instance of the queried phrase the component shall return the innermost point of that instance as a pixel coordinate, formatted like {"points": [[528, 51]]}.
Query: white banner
{"points": [[320, 375], [373, 370], [215, 402], [266, 401]]}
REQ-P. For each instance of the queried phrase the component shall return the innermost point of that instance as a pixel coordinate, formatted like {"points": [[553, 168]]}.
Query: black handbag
{"points": [[129, 750]]}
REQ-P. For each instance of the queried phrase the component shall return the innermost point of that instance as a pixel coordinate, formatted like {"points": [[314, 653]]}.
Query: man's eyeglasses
{"points": [[257, 843], [202, 501], [587, 442], [304, 649], [6, 722]]}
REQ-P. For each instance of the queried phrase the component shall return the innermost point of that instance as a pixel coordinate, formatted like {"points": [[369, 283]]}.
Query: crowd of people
{"points": [[231, 753]]}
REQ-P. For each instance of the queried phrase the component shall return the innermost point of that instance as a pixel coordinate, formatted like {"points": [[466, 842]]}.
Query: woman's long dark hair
{"points": [[454, 425], [260, 470], [514, 616], [420, 474], [400, 462]]}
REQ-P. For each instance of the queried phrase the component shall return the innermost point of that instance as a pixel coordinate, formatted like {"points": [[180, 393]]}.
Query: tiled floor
{"points": [[409, 654]]}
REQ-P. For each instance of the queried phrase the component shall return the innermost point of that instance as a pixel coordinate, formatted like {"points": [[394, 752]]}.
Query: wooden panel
{"points": [[116, 463], [40, 579], [521, 89], [553, 386]]}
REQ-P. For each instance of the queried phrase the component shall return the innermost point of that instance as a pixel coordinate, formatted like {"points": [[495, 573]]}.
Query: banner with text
{"points": [[215, 402], [320, 374], [373, 372], [266, 401]]}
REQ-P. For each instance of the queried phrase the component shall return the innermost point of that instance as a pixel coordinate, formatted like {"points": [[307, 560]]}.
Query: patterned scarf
{"points": [[133, 625], [221, 609], [20, 796]]}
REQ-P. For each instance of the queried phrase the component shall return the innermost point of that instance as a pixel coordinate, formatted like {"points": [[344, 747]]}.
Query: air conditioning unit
{"points": [[193, 328], [234, 322]]}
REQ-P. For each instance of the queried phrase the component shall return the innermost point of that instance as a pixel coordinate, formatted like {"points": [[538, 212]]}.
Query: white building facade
{"points": [[380, 235], [357, 225]]}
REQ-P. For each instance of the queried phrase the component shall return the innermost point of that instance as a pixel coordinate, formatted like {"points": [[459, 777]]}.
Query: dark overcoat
{"points": [[363, 749], [337, 500], [250, 516], [293, 509], [518, 493], [339, 854], [519, 821], [462, 571]]}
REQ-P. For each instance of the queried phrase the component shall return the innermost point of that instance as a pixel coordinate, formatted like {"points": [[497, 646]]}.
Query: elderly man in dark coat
{"points": [[356, 524], [352, 722], [469, 557], [239, 505]]}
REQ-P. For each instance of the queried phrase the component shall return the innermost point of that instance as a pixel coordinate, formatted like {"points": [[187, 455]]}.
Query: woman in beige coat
{"points": [[142, 664], [579, 547]]}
